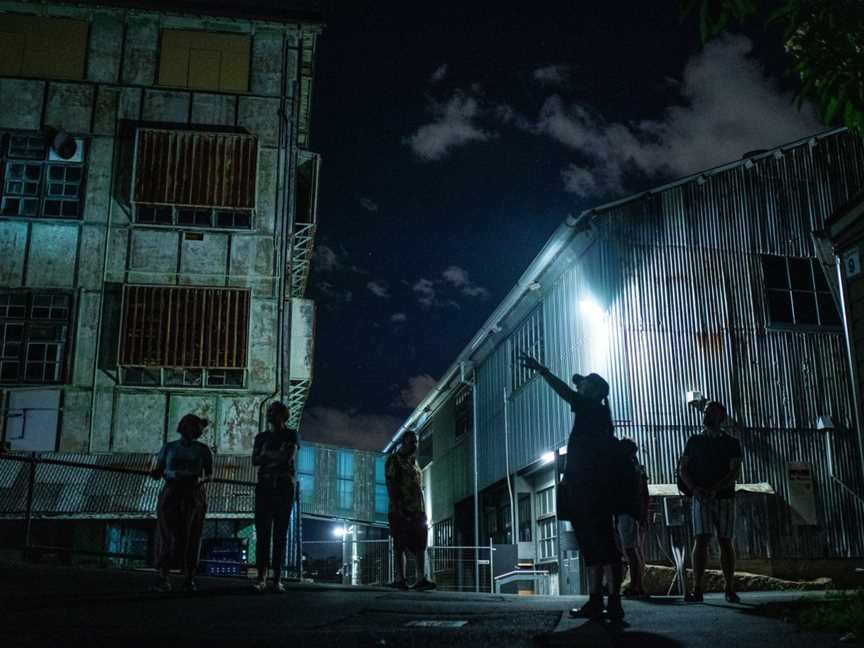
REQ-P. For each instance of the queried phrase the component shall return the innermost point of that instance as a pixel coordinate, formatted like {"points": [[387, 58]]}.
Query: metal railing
{"points": [[539, 578], [457, 568], [35, 488]]}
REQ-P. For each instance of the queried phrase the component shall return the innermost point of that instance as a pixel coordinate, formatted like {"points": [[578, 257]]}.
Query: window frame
{"points": [[789, 291], [343, 491], [305, 474], [528, 338], [547, 524], [463, 415], [42, 195], [27, 322], [381, 494]]}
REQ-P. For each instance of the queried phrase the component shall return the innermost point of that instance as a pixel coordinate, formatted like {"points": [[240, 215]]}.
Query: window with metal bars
{"points": [[798, 293], [195, 179], [184, 337], [527, 339], [464, 415], [34, 330], [37, 183]]}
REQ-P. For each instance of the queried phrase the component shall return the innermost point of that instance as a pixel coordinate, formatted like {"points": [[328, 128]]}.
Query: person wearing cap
{"points": [[407, 512], [585, 485], [184, 465], [275, 453], [709, 468]]}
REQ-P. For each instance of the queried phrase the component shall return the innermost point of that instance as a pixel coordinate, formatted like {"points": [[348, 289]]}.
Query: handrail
{"points": [[848, 489], [523, 572]]}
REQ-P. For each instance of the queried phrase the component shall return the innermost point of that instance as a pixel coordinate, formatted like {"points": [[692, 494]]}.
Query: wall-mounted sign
{"points": [[852, 262], [802, 497]]}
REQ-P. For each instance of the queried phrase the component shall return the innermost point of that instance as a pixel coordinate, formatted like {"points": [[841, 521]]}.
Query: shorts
{"points": [[714, 517], [409, 533], [628, 530]]}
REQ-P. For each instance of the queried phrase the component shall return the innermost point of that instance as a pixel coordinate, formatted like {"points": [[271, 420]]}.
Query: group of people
{"points": [[603, 494], [187, 464]]}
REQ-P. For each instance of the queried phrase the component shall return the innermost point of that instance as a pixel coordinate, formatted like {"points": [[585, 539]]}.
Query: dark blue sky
{"points": [[456, 138]]}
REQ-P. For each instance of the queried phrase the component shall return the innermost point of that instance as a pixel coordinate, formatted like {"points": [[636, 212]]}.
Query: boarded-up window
{"points": [[47, 48], [204, 61], [184, 328], [195, 179]]}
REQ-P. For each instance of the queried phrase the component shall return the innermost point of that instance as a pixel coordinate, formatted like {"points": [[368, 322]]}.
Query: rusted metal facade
{"points": [[665, 293]]}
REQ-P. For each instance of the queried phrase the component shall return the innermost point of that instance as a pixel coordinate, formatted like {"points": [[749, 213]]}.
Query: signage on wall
{"points": [[802, 497], [852, 262]]}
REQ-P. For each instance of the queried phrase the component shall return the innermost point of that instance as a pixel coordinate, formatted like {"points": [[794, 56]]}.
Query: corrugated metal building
{"points": [[157, 215], [710, 284]]}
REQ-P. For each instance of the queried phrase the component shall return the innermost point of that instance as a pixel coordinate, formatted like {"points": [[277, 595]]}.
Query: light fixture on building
{"points": [[778, 154], [696, 399], [824, 422], [811, 142], [562, 450], [748, 164], [548, 457], [340, 531], [534, 285], [701, 180]]}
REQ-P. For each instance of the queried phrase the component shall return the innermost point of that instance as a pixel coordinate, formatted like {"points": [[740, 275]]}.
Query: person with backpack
{"points": [[707, 471], [631, 521], [583, 495]]}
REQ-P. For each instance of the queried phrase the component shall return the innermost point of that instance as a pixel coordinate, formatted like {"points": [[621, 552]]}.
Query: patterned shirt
{"points": [[404, 484]]}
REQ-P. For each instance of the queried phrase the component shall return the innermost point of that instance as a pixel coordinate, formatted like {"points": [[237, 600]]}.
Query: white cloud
{"points": [[326, 259], [368, 204], [426, 293], [454, 125], [459, 278], [552, 74], [333, 294], [439, 74], [348, 429], [398, 318], [379, 289], [415, 391], [727, 106]]}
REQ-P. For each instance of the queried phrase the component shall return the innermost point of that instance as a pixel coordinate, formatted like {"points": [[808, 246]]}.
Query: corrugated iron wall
{"points": [[671, 298], [195, 168]]}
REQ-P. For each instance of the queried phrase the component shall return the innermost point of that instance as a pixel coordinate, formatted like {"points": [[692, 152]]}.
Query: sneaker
{"points": [[189, 586], [593, 609], [614, 609], [278, 587], [163, 585], [398, 584], [732, 597], [260, 586], [693, 597], [423, 585]]}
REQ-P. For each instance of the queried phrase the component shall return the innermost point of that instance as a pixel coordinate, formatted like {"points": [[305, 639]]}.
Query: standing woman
{"points": [[275, 454], [585, 489], [185, 465]]}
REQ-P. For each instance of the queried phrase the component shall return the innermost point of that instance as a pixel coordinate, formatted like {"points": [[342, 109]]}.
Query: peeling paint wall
{"points": [[104, 246]]}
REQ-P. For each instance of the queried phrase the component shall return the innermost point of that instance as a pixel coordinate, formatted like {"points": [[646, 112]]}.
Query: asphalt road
{"points": [[57, 606]]}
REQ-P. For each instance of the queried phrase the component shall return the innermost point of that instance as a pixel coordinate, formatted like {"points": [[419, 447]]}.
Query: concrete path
{"points": [[57, 606]]}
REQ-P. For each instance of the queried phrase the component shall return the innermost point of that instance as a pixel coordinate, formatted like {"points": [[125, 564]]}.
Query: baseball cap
{"points": [[595, 378]]}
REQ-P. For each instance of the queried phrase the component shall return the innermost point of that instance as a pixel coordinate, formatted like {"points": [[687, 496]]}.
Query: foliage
{"points": [[825, 39], [840, 612]]}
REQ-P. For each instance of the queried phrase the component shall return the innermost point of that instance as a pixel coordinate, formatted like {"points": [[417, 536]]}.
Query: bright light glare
{"points": [[548, 457], [340, 532], [592, 309], [562, 450]]}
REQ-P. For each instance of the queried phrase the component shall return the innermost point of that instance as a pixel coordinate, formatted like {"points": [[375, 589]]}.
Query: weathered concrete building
{"points": [[711, 286], [158, 209], [157, 215]]}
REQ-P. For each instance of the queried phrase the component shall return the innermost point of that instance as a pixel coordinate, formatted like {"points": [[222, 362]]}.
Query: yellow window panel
{"points": [[54, 48], [204, 61], [11, 53], [204, 67]]}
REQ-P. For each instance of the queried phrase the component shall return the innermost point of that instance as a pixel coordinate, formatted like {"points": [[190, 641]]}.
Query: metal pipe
{"points": [[507, 468], [28, 516], [476, 486], [850, 357]]}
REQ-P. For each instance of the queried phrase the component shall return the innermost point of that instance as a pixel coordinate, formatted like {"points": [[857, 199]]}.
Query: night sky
{"points": [[456, 138]]}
